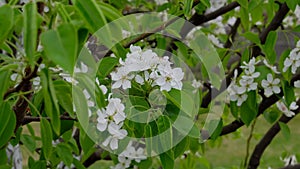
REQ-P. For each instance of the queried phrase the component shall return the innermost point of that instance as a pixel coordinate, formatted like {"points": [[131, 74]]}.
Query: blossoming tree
{"points": [[146, 83]]}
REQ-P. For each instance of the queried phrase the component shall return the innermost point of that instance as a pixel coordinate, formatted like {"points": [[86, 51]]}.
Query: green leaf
{"points": [[64, 96], [291, 4], [29, 142], [166, 161], [40, 164], [91, 13], [243, 3], [249, 108], [288, 91], [109, 11], [4, 76], [65, 153], [51, 107], [148, 139], [106, 65], [272, 116], [285, 130], [3, 156], [269, 47], [234, 109], [30, 31], [46, 134], [244, 14], [188, 5], [180, 148], [7, 21], [215, 128], [252, 37], [8, 123], [61, 46], [165, 133]]}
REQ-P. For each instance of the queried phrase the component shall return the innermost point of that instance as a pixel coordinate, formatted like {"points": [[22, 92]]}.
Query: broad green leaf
{"points": [[3, 157], [180, 148], [165, 133], [288, 91], [8, 123], [291, 4], [269, 47], [252, 37], [61, 46], [285, 130], [30, 31], [39, 164], [64, 151], [106, 65], [7, 21], [243, 3], [29, 142], [50, 101], [64, 96], [91, 13], [249, 108], [234, 109], [271, 116], [166, 161], [46, 134], [215, 128], [244, 14]]}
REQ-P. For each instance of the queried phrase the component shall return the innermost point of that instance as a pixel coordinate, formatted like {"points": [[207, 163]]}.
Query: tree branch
{"points": [[266, 140], [29, 119]]}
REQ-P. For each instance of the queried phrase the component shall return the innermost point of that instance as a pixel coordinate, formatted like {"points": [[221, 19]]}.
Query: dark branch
{"points": [[266, 140], [29, 119]]}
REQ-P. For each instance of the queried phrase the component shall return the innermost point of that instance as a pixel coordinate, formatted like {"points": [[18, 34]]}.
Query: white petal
{"points": [[297, 83], [293, 106], [114, 144], [117, 84], [102, 126], [268, 92], [270, 78], [276, 89], [119, 117], [107, 141]]}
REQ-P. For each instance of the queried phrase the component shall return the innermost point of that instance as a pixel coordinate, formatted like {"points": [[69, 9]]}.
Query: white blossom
{"points": [[213, 39], [293, 61], [238, 94], [287, 111], [123, 163], [290, 160], [297, 84], [116, 134], [273, 68], [121, 78], [271, 85]]}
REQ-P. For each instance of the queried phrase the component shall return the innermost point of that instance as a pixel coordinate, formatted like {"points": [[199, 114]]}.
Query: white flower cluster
{"points": [[212, 38], [128, 155], [147, 67], [111, 119], [271, 85], [293, 60], [238, 92], [287, 111], [290, 160], [14, 156]]}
